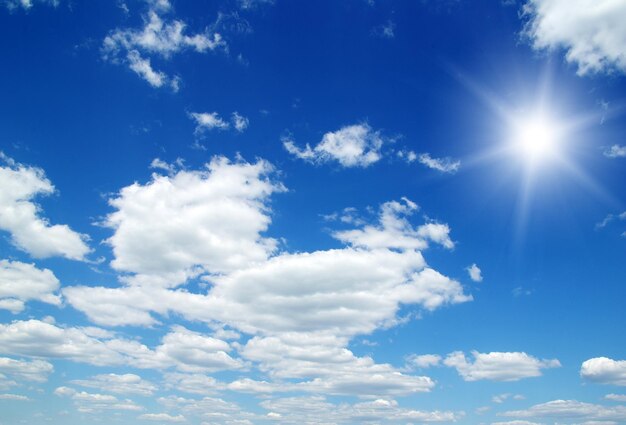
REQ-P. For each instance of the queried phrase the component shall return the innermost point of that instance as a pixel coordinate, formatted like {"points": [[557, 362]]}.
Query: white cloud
{"points": [[498, 366], [212, 219], [160, 38], [20, 216], [616, 397], [424, 361], [317, 410], [14, 397], [96, 403], [352, 146], [27, 4], [604, 371], [120, 384], [21, 282], [251, 4], [571, 409], [516, 423], [394, 230], [386, 30], [445, 165], [475, 273], [239, 122], [592, 32], [180, 348], [208, 121], [162, 417], [22, 370], [615, 151], [501, 398]]}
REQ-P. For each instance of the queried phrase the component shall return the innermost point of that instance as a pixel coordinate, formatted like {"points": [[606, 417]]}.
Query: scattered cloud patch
{"points": [[21, 216], [571, 409], [424, 361], [207, 121], [28, 4], [14, 397], [160, 38], [475, 273], [603, 370], [386, 30], [590, 32], [96, 403], [445, 165], [355, 145], [498, 366], [240, 122], [615, 151], [120, 384], [616, 397], [162, 417]]}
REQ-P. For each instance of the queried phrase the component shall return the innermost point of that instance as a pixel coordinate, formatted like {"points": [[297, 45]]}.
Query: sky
{"points": [[298, 212]]}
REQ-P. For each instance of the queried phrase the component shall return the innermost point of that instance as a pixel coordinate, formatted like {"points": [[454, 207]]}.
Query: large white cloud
{"points": [[604, 371], [211, 219], [20, 216], [355, 145], [498, 366], [158, 37], [592, 32], [21, 282], [23, 370], [96, 403], [127, 383]]}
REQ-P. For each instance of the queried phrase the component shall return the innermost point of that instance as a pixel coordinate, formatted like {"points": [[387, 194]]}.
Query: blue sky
{"points": [[262, 211]]}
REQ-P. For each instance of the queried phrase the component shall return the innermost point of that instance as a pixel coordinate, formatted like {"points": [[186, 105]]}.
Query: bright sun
{"points": [[536, 138]]}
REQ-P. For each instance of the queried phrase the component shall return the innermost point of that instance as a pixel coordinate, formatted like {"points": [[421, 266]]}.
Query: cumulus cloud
{"points": [[21, 216], [395, 231], [603, 370], [120, 384], [445, 165], [591, 32], [96, 403], [424, 360], [300, 310], [159, 37], [616, 397], [24, 370], [498, 366], [180, 348], [355, 145], [211, 221], [206, 121], [571, 409], [475, 273], [615, 151], [21, 282]]}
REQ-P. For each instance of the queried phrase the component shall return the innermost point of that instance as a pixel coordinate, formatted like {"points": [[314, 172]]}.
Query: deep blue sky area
{"points": [[346, 212]]}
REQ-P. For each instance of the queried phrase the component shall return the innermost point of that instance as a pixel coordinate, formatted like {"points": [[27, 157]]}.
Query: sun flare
{"points": [[536, 138]]}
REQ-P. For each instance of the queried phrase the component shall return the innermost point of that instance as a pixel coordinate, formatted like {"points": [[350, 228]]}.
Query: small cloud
{"points": [[239, 122], [475, 273], [445, 165], [615, 151], [521, 291], [386, 30], [208, 121], [424, 361]]}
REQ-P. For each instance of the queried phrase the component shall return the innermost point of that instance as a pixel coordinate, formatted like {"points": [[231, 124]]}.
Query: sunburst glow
{"points": [[537, 138]]}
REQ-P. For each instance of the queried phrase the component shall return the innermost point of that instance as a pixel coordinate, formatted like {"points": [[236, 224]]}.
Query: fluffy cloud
{"points": [[20, 216], [604, 371], [445, 165], [590, 31], [615, 151], [209, 219], [475, 273], [120, 384], [616, 397], [96, 403], [424, 360], [352, 146], [571, 409], [498, 366], [21, 282], [158, 37], [180, 348], [22, 370], [394, 230]]}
